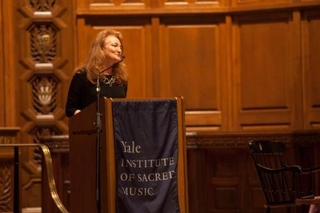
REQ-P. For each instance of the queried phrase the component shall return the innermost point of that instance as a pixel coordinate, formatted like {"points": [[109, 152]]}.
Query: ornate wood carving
{"points": [[42, 5], [42, 24], [6, 190], [43, 42], [40, 133], [44, 89]]}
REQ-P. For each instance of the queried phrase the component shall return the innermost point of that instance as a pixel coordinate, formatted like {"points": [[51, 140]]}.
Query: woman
{"points": [[105, 59]]}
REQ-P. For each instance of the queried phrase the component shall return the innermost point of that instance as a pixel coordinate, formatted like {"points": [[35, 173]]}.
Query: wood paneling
{"points": [[310, 67], [251, 72], [196, 182], [221, 172], [259, 2], [169, 57], [190, 55], [178, 4], [113, 5], [224, 176], [181, 48], [270, 4], [265, 66]]}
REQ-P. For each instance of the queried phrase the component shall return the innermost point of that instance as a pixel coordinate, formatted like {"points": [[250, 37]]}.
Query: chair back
{"points": [[277, 180]]}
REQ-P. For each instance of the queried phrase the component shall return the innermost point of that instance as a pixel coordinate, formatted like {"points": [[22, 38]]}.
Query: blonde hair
{"points": [[94, 63]]}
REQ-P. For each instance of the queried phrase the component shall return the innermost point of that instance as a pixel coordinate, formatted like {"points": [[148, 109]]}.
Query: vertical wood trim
{"points": [[10, 60], [80, 21], [153, 3], [163, 63], [109, 138], [182, 159], [155, 59], [310, 109], [297, 120], [304, 69], [148, 45], [235, 74], [228, 119]]}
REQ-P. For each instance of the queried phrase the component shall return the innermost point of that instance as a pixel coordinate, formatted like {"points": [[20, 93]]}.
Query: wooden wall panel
{"points": [[196, 182], [112, 5], [310, 69], [190, 59], [118, 6], [189, 3], [177, 6], [224, 181], [255, 200], [258, 2], [264, 70], [182, 47], [270, 4]]}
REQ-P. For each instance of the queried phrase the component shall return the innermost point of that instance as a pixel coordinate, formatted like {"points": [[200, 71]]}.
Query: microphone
{"points": [[122, 58]]}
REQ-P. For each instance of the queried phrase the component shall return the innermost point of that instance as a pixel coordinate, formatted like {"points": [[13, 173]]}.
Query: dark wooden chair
{"points": [[283, 185]]}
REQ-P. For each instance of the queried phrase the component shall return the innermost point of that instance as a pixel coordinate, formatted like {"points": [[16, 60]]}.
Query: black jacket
{"points": [[82, 92]]}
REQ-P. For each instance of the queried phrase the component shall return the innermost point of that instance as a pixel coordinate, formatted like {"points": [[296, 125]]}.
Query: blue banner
{"points": [[146, 148]]}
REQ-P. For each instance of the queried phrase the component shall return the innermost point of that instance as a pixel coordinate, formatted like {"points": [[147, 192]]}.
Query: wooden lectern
{"points": [[82, 137]]}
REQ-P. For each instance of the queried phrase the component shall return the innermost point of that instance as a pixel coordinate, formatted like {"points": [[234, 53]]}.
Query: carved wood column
{"points": [[45, 39]]}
